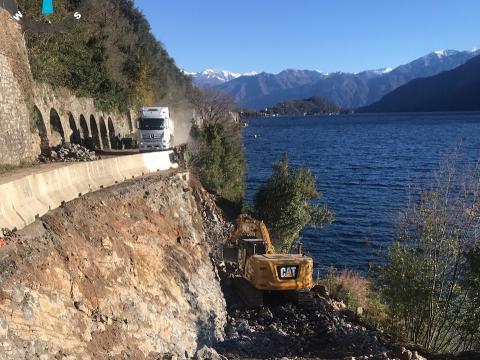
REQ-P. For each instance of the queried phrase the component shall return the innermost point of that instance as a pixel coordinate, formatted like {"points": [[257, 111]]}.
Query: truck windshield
{"points": [[151, 124]]}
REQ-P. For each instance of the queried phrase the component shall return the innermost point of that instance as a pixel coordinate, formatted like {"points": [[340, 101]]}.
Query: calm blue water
{"points": [[364, 165]]}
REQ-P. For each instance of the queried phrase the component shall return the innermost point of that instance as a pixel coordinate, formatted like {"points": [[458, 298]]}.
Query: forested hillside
{"points": [[109, 55], [315, 105]]}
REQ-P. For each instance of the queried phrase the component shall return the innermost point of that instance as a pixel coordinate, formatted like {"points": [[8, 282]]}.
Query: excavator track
{"points": [[250, 296], [302, 298]]}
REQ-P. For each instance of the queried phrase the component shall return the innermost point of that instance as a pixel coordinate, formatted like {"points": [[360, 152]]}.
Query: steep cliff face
{"points": [[121, 273]]}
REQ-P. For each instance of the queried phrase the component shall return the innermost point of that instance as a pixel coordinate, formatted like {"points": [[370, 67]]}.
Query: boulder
{"points": [[208, 353], [404, 354], [321, 290]]}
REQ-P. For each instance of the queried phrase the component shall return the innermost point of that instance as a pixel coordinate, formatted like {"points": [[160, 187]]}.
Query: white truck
{"points": [[155, 129]]}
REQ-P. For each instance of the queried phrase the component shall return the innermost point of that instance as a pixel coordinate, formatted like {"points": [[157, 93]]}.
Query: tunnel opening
{"points": [[75, 137], [104, 134], [84, 133], [130, 124], [39, 129], [96, 143], [57, 135], [114, 138]]}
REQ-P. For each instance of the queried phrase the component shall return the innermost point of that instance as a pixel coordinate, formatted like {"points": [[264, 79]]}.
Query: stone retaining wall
{"points": [[34, 117], [16, 139]]}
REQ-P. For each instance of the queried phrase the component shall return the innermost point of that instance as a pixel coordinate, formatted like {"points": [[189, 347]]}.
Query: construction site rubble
{"points": [[68, 153], [284, 329]]}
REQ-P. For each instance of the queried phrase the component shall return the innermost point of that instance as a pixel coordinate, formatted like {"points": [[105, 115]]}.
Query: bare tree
{"points": [[424, 283], [211, 107]]}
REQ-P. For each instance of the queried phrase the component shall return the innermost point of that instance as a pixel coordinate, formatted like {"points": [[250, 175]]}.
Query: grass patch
{"points": [[358, 294]]}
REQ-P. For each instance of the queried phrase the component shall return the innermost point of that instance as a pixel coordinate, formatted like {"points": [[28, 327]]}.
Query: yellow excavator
{"points": [[261, 269]]}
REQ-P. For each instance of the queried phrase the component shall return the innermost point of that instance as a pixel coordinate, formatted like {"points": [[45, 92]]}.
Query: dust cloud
{"points": [[182, 118]]}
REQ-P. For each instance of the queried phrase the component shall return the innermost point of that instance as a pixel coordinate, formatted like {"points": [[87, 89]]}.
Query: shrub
{"points": [[347, 286], [356, 292], [430, 281], [284, 204], [471, 324]]}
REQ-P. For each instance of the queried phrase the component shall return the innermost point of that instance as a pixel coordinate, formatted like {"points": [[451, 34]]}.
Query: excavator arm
{"points": [[266, 237], [249, 228]]}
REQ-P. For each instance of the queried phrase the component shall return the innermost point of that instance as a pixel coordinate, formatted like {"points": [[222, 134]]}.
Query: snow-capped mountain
{"points": [[344, 89], [212, 77], [383, 71], [454, 90], [443, 53]]}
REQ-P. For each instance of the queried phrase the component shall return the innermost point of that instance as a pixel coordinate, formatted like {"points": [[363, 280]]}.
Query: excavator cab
{"points": [[248, 248], [243, 249], [253, 246]]}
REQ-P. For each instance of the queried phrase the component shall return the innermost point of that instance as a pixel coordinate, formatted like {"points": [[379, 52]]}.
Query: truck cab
{"points": [[155, 129]]}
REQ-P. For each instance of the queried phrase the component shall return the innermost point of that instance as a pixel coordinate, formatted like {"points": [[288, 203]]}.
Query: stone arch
{"points": [[104, 134], [39, 126], [96, 141], [57, 133], [75, 136], [114, 140]]}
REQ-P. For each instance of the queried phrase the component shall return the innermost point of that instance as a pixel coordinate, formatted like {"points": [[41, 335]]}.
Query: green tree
{"points": [[111, 56], [284, 203], [217, 155]]}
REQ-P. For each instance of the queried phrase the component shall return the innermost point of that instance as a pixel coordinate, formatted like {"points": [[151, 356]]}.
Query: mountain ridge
{"points": [[347, 90], [454, 90]]}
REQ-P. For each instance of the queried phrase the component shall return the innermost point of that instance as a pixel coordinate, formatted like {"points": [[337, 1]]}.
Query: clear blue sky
{"points": [[327, 35]]}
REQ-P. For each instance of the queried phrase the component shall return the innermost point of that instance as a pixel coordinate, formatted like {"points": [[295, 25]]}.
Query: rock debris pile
{"points": [[68, 153], [314, 330], [217, 227]]}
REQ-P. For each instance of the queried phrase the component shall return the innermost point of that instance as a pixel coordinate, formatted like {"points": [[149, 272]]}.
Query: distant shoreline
{"points": [[359, 114]]}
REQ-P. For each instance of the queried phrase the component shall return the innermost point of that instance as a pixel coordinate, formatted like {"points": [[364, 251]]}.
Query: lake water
{"points": [[365, 166]]}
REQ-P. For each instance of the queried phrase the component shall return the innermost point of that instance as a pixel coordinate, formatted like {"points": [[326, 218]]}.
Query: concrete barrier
{"points": [[24, 199]]}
